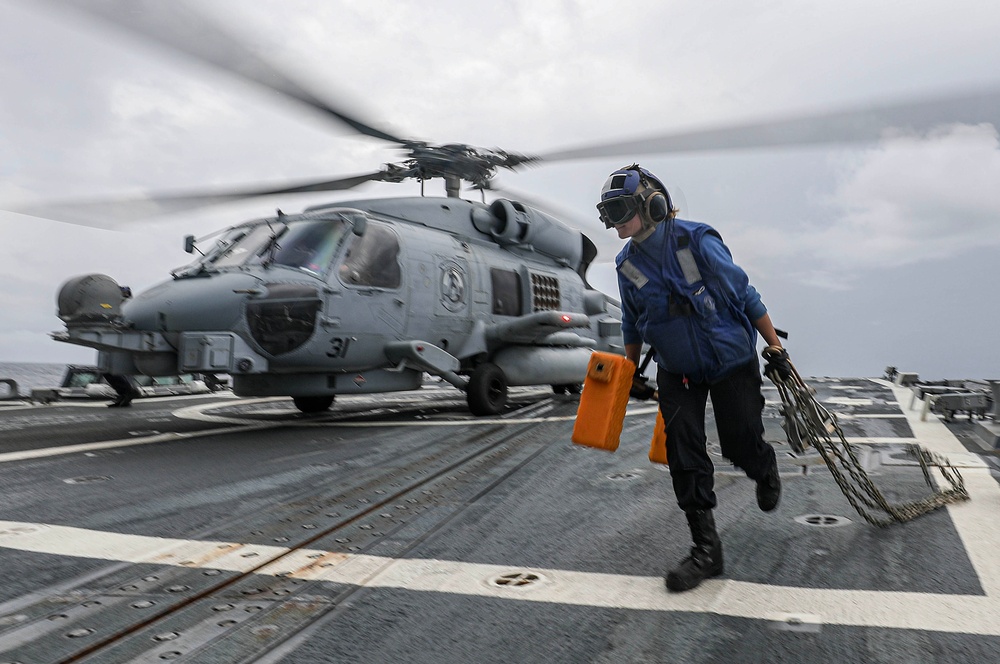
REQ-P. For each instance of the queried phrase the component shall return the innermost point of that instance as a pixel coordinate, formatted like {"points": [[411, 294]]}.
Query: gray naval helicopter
{"points": [[369, 296], [364, 296]]}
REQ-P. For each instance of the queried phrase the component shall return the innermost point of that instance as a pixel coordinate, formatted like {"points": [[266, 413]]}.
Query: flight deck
{"points": [[399, 527]]}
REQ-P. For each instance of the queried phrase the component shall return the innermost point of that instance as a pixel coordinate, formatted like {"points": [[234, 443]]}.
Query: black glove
{"points": [[777, 365], [641, 389]]}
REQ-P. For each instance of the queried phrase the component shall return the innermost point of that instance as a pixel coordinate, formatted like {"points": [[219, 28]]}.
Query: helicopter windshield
{"points": [[305, 244], [244, 249]]}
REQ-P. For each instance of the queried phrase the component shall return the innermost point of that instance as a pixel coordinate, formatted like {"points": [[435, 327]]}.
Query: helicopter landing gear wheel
{"points": [[312, 404], [487, 390]]}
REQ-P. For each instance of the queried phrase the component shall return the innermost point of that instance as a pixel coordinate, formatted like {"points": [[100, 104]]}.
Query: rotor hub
{"points": [[455, 161]]}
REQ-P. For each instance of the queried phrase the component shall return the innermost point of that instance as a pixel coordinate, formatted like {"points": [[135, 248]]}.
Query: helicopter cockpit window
{"points": [[373, 259], [506, 292], [305, 244], [247, 248], [310, 245]]}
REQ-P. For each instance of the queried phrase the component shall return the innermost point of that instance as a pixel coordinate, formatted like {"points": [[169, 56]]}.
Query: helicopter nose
{"points": [[284, 318], [192, 304]]}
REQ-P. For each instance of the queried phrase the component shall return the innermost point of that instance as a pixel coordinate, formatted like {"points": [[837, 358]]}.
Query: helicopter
{"points": [[362, 297], [372, 295]]}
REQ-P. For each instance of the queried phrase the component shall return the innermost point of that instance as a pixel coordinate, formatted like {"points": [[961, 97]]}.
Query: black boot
{"points": [[126, 400], [705, 560], [769, 489]]}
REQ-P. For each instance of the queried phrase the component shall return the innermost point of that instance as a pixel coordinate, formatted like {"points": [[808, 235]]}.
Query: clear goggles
{"points": [[616, 211]]}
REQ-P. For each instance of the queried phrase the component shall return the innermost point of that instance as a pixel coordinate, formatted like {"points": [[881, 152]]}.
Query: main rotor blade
{"points": [[112, 213], [847, 126], [175, 26]]}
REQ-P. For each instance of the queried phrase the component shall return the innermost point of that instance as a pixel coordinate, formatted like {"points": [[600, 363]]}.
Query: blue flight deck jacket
{"points": [[683, 295]]}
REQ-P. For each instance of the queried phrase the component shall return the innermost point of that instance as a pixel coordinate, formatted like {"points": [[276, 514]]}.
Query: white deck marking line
{"points": [[974, 520], [970, 614], [246, 424], [22, 455], [102, 402]]}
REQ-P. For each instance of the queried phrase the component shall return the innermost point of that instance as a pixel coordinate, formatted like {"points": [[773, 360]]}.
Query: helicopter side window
{"points": [[506, 292], [373, 259]]}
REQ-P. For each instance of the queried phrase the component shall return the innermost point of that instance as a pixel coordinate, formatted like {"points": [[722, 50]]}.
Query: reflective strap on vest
{"points": [[688, 265], [633, 274]]}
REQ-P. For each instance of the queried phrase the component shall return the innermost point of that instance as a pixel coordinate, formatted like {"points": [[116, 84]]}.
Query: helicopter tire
{"points": [[487, 390], [313, 404]]}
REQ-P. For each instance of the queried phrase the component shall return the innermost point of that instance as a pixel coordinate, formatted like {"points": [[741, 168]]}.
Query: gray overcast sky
{"points": [[869, 255]]}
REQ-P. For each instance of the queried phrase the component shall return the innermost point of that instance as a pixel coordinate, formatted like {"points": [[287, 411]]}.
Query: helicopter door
{"points": [[453, 301], [373, 275], [441, 291]]}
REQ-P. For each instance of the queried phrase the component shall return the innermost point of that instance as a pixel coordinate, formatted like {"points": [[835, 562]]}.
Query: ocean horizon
{"points": [[33, 375]]}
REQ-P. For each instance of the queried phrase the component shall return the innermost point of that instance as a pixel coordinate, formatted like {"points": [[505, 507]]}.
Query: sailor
{"points": [[683, 295], [125, 391]]}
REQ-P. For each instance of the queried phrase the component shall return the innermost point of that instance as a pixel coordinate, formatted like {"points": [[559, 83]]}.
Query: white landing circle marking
{"points": [[200, 413], [84, 448]]}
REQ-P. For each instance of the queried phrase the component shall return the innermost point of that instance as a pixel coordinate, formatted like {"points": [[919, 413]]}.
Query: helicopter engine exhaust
{"points": [[512, 223]]}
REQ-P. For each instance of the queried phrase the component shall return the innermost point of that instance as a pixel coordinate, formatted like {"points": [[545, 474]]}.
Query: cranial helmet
{"points": [[634, 189]]}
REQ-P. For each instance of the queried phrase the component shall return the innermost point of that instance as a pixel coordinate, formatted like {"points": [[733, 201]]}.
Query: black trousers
{"points": [[738, 404]]}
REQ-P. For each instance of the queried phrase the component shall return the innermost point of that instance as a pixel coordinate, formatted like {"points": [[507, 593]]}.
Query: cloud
{"points": [[911, 199]]}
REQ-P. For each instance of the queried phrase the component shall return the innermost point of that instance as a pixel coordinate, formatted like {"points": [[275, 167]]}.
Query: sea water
{"points": [[31, 375]]}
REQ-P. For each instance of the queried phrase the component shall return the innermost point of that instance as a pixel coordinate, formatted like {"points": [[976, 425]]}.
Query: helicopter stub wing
{"points": [[421, 354], [535, 328], [427, 357]]}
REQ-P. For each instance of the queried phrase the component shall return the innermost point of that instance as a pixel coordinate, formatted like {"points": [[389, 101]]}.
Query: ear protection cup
{"points": [[656, 203], [657, 207]]}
